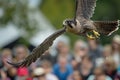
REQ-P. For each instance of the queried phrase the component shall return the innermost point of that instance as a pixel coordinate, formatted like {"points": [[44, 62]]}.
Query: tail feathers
{"points": [[107, 27]]}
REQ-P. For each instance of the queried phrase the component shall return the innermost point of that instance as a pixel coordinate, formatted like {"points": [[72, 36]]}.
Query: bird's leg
{"points": [[96, 34], [90, 36]]}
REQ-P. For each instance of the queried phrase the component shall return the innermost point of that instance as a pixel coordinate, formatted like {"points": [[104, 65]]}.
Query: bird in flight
{"points": [[81, 24]]}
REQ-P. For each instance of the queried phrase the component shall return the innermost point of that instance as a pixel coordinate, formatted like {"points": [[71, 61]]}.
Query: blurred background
{"points": [[24, 24]]}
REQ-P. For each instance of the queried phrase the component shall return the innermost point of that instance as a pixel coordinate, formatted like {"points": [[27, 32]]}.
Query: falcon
{"points": [[81, 24]]}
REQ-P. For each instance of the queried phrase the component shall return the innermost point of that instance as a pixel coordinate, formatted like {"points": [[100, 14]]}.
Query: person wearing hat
{"points": [[47, 66], [39, 74]]}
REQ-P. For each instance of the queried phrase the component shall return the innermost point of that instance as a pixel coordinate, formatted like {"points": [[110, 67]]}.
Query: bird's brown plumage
{"points": [[38, 51], [106, 27], [85, 8]]}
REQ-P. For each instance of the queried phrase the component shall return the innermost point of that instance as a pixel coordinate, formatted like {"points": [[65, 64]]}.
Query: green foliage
{"points": [[16, 11], [58, 10], [107, 10]]}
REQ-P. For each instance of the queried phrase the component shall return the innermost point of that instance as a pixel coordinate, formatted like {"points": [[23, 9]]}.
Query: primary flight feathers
{"points": [[38, 51]]}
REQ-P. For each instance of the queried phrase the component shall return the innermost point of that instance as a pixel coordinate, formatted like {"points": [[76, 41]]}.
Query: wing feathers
{"points": [[106, 27], [85, 8], [38, 51]]}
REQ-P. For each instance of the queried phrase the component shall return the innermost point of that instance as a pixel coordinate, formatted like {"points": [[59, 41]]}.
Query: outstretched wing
{"points": [[85, 8], [106, 27], [38, 51]]}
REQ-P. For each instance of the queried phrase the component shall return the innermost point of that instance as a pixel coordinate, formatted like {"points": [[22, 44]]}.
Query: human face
{"points": [[76, 75]]}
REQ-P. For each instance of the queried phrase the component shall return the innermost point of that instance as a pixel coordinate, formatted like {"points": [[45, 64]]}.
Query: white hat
{"points": [[38, 71], [116, 39]]}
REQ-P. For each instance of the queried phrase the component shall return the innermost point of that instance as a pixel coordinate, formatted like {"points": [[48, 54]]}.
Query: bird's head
{"points": [[69, 23]]}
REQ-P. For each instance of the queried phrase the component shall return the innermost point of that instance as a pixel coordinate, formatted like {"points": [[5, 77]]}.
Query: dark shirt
{"points": [[113, 74], [85, 77]]}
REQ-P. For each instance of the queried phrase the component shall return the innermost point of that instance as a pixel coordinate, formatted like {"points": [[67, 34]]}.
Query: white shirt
{"points": [[51, 76]]}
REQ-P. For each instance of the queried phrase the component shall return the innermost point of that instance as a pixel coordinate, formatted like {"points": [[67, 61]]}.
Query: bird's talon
{"points": [[90, 36], [96, 34]]}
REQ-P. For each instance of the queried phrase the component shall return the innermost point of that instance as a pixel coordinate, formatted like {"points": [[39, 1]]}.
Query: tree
{"points": [[16, 12]]}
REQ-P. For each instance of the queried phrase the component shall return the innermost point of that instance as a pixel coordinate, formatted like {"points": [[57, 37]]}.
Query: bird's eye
{"points": [[69, 22], [66, 21]]}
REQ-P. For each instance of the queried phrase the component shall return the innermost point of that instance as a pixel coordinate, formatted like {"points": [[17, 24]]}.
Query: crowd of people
{"points": [[87, 60]]}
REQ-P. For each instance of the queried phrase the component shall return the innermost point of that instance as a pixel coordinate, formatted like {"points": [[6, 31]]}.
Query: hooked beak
{"points": [[70, 26]]}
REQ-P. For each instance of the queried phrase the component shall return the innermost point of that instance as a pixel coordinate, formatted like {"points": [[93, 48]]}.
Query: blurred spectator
{"points": [[117, 77], [75, 76], [22, 73], [20, 52], [39, 74], [80, 50], [46, 65], [99, 74], [6, 55], [110, 67], [95, 49], [60, 46], [116, 49], [86, 67], [63, 50], [74, 64], [107, 51], [118, 70], [1, 63], [65, 66], [3, 75], [62, 69], [12, 73]]}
